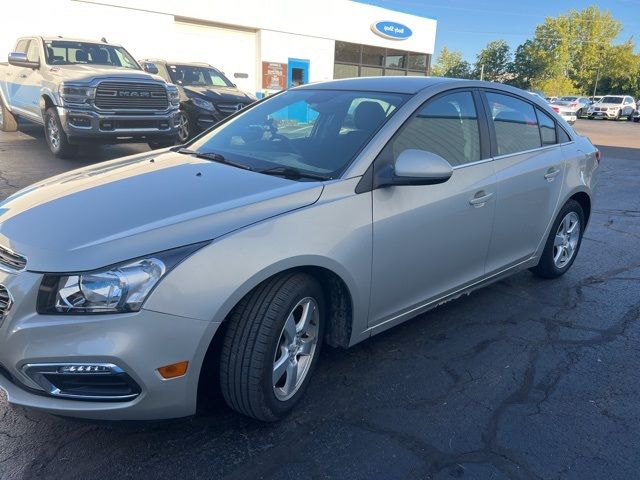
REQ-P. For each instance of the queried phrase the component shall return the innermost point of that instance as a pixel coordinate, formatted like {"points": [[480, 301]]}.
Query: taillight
{"points": [[574, 104], [556, 109], [598, 156]]}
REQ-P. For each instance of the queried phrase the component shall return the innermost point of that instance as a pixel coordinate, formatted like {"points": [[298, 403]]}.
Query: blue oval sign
{"points": [[391, 30]]}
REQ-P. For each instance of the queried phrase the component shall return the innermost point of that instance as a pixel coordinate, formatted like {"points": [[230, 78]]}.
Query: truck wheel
{"points": [[184, 127], [271, 346], [8, 122], [56, 138], [164, 143]]}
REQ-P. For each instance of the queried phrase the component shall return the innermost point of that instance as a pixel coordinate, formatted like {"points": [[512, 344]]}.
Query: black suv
{"points": [[206, 95]]}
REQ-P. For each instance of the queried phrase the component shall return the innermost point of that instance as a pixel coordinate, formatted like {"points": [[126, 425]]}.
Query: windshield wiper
{"points": [[213, 156], [293, 174]]}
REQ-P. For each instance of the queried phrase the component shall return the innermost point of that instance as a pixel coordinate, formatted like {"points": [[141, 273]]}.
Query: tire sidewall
{"points": [[48, 115], [185, 115], [570, 206], [278, 408]]}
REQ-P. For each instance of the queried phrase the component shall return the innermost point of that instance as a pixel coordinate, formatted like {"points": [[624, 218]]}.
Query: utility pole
{"points": [[595, 86], [482, 72]]}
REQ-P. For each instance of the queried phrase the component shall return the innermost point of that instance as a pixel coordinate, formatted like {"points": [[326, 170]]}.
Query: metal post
{"points": [[482, 72]]}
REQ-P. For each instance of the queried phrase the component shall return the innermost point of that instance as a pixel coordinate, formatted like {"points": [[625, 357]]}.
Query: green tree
{"points": [[528, 65], [451, 64], [493, 62]]}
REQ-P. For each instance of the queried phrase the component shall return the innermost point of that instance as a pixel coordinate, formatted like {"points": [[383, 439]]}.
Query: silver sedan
{"points": [[322, 215]]}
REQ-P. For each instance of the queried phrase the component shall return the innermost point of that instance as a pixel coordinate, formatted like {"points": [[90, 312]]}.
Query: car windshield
{"points": [[306, 131], [195, 76], [62, 52], [611, 100]]}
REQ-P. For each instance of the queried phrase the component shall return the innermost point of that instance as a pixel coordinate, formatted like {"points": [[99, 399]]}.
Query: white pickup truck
{"points": [[85, 91]]}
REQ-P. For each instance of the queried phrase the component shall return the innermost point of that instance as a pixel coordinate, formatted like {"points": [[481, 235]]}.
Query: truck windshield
{"points": [[305, 133], [62, 52], [195, 76]]}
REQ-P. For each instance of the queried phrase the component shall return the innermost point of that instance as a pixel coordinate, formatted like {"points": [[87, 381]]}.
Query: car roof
{"points": [[408, 85]]}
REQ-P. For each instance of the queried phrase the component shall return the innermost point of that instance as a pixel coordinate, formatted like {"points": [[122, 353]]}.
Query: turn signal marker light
{"points": [[174, 370]]}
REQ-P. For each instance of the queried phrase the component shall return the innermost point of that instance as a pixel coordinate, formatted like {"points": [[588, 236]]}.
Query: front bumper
{"points": [[598, 114], [86, 125], [137, 343]]}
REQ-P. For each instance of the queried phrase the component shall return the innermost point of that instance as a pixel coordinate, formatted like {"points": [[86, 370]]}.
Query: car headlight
{"points": [[76, 94], [204, 104], [174, 96], [116, 289]]}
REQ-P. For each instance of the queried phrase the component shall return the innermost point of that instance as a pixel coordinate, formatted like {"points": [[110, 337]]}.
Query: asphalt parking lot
{"points": [[524, 379]]}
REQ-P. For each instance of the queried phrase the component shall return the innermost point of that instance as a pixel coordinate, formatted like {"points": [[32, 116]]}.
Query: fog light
{"points": [[174, 370]]}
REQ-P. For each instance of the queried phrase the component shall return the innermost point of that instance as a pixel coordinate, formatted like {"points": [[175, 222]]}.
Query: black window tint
{"points": [[446, 126], [347, 52], [22, 46], [563, 137], [515, 124], [547, 128], [372, 55]]}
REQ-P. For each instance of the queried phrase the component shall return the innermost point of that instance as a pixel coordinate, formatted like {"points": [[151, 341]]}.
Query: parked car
{"points": [[579, 105], [635, 116], [239, 254], [551, 99], [206, 94], [612, 107], [85, 91], [565, 111]]}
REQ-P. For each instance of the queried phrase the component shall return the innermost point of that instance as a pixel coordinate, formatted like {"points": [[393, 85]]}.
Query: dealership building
{"points": [[262, 46]]}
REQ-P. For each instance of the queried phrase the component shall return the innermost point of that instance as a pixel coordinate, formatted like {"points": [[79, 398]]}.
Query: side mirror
{"points": [[150, 68], [19, 59], [418, 167]]}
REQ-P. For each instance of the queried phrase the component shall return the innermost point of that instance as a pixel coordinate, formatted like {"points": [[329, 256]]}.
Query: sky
{"points": [[468, 25]]}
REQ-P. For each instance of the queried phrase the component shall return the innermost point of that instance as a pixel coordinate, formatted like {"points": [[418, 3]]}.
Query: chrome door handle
{"points": [[22, 75], [480, 199], [551, 174]]}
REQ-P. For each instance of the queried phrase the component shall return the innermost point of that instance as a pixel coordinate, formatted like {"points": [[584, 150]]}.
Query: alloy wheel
{"points": [[183, 128], [296, 346], [53, 133], [566, 240]]}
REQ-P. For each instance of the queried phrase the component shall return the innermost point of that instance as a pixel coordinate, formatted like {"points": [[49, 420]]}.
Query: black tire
{"points": [[252, 340], [589, 117], [546, 267], [57, 139], [8, 122], [579, 113], [163, 143]]}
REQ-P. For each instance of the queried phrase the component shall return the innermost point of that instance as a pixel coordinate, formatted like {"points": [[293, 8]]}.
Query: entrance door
{"points": [[298, 74]]}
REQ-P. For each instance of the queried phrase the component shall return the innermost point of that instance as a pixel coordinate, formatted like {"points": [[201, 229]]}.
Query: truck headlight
{"points": [[116, 289], [204, 104], [174, 96], [76, 94]]}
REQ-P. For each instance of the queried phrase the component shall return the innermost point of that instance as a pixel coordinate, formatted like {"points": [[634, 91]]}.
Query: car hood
{"points": [[126, 208], [220, 94], [91, 73]]}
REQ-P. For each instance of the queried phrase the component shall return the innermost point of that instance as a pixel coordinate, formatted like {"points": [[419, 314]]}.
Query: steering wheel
{"points": [[278, 137]]}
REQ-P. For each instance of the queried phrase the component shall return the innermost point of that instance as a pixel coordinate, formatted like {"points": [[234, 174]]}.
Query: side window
{"points": [[22, 46], [33, 54], [447, 126], [547, 128], [515, 124], [563, 137]]}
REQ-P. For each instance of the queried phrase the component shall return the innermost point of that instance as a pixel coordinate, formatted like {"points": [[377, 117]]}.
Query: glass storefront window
{"points": [[390, 72], [417, 61], [372, 55], [395, 59], [347, 52]]}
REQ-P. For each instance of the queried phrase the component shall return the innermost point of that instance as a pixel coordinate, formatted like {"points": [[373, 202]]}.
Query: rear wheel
{"points": [[56, 137], [563, 242], [271, 346], [8, 123]]}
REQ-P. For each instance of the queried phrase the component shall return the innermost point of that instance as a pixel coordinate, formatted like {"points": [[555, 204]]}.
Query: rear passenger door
{"points": [[529, 167]]}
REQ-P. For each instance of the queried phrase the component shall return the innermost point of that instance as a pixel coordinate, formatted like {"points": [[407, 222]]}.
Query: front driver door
{"points": [[430, 240]]}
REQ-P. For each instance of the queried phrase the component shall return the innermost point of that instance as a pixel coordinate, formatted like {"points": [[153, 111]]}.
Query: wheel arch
{"points": [[46, 102], [584, 200]]}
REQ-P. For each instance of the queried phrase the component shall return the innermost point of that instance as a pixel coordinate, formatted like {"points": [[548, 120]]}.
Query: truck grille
{"points": [[11, 261], [131, 96], [5, 302]]}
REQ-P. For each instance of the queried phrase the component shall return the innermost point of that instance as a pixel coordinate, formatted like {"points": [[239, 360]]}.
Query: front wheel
{"points": [[272, 345], [184, 127], [563, 242], [56, 137]]}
